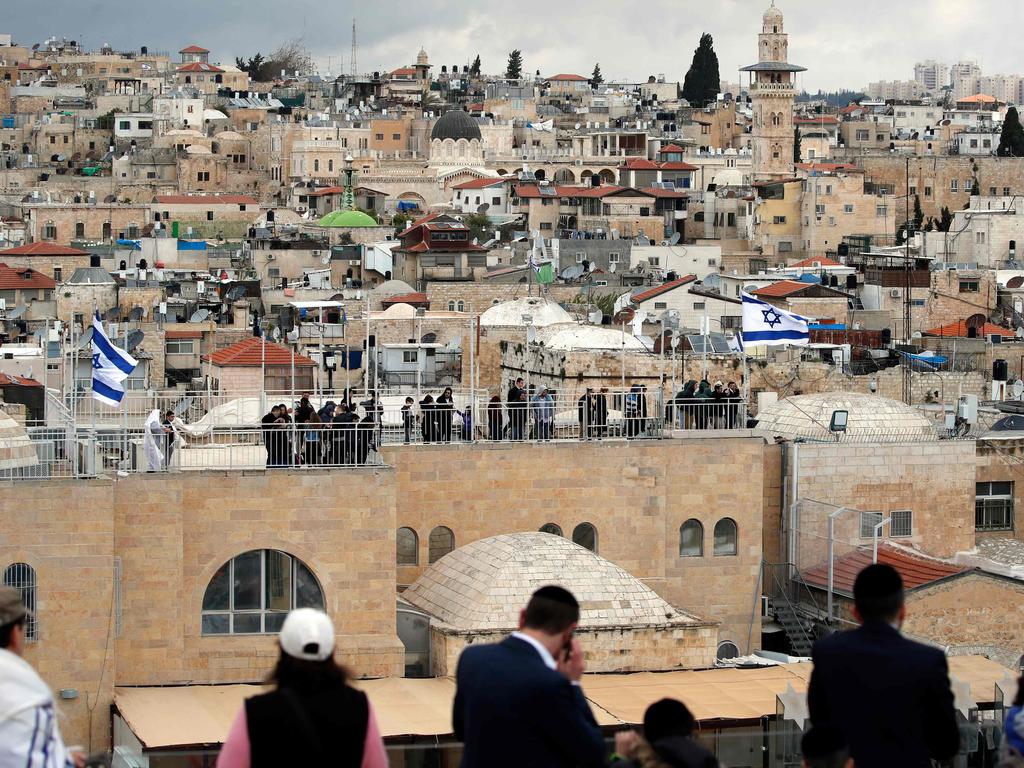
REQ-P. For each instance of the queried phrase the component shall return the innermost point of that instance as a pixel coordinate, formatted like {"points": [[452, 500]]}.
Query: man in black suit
{"points": [[889, 696], [519, 703]]}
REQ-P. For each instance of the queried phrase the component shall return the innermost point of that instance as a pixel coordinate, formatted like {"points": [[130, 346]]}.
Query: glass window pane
{"points": [[586, 536], [406, 546], [272, 621], [725, 537], [278, 581], [247, 581], [216, 623], [218, 591], [442, 541], [307, 591], [691, 539], [247, 623], [551, 528]]}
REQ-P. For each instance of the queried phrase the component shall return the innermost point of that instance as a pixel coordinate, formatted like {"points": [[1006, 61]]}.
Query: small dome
{"points": [[351, 219], [455, 125], [871, 417], [510, 313], [772, 15], [729, 177], [485, 584], [575, 336], [16, 449]]}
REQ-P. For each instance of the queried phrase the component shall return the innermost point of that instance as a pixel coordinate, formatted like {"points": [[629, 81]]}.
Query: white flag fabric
{"points": [[767, 325], [110, 366]]}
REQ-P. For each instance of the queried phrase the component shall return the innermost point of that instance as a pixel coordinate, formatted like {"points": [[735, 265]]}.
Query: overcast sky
{"points": [[842, 44]]}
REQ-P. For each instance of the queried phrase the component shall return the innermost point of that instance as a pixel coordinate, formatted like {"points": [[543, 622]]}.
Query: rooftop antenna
{"points": [[352, 56]]}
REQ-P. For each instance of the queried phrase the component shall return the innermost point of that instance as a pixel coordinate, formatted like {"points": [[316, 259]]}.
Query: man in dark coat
{"points": [[889, 696]]}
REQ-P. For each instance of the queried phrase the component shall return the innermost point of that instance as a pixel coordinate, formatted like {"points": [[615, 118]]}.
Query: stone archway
{"points": [[564, 176], [607, 176]]}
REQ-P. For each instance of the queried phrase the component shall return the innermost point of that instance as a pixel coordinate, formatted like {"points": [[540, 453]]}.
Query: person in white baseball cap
{"points": [[313, 716]]}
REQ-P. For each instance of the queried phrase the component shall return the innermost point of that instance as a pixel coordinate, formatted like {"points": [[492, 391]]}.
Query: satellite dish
{"points": [[326, 260], [675, 239], [17, 312], [276, 333], [134, 339], [182, 406], [199, 316], [1018, 389], [612, 267], [429, 338], [292, 335], [591, 266], [112, 315], [483, 207], [136, 314], [85, 340]]}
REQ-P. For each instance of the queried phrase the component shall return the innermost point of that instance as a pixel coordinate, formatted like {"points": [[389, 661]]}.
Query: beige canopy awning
{"points": [[176, 717]]}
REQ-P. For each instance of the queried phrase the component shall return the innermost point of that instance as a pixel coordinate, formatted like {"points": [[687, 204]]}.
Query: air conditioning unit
{"points": [[894, 293], [316, 253], [354, 262]]}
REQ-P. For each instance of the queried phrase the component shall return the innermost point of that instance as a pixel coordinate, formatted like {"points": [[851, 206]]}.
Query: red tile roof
{"points": [[677, 166], [781, 289], [199, 66], [977, 98], [663, 193], [11, 380], [821, 261], [183, 333], [206, 200], [850, 109], [674, 148], [959, 331], [915, 570], [663, 288], [828, 167], [820, 120], [572, 78], [640, 164], [407, 298], [193, 49], [248, 354], [404, 71], [533, 191], [43, 249], [479, 184], [12, 279]]}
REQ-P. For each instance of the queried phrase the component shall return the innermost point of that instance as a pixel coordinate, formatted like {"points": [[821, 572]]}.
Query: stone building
{"points": [[456, 139], [476, 592], [773, 93]]}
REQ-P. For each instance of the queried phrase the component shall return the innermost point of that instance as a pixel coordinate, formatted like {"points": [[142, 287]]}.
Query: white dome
{"points": [[871, 417], [197, 149], [16, 449], [400, 311], [510, 313], [575, 336], [391, 288], [484, 585], [729, 177]]}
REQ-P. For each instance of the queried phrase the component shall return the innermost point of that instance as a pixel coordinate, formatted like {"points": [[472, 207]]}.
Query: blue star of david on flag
{"points": [[767, 325]]}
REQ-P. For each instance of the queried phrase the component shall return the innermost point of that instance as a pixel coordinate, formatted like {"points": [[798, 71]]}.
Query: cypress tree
{"points": [[797, 151], [596, 78], [703, 80], [918, 213], [1011, 142], [514, 70], [474, 68]]}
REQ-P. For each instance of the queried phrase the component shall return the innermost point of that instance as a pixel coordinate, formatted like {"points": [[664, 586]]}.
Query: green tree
{"points": [[400, 221], [474, 68], [976, 187], [514, 69], [918, 213], [703, 80], [479, 225], [945, 220], [1011, 142], [797, 151], [596, 78]]}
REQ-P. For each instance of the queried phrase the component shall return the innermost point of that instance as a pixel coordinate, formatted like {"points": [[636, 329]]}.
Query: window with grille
{"points": [[993, 506], [902, 523], [22, 576], [868, 521]]}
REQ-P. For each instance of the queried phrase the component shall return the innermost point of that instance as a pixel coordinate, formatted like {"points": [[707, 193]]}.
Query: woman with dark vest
{"points": [[313, 717]]}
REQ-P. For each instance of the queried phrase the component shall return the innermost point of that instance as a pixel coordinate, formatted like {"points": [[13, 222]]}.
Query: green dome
{"points": [[352, 219]]}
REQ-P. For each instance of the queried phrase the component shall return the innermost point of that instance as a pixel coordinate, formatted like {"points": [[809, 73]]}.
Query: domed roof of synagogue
{"points": [[870, 418], [485, 584], [456, 125]]}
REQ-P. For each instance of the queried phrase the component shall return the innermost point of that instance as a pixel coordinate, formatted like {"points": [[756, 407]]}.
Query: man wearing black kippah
{"points": [[888, 696], [519, 703]]}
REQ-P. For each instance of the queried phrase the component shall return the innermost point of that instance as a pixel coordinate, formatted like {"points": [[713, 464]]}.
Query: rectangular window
{"points": [[913, 189], [969, 286], [396, 137], [654, 261], [379, 137], [180, 346], [79, 229], [927, 191], [831, 221], [778, 220], [58, 273], [979, 238], [993, 506], [902, 523], [868, 521], [410, 355], [613, 258], [847, 208], [209, 215], [863, 135], [661, 305], [495, 201], [1006, 191], [819, 210], [881, 210], [698, 306], [545, 225], [954, 185], [992, 191]]}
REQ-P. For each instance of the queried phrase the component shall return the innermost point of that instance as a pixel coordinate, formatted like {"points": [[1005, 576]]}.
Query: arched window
{"points": [[585, 535], [552, 528], [691, 539], [407, 546], [330, 166], [451, 306], [776, 119], [23, 576], [252, 593], [461, 306], [725, 537], [727, 650], [442, 541], [316, 164]]}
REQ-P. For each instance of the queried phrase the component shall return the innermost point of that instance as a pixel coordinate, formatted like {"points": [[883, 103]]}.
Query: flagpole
{"points": [[92, 443]]}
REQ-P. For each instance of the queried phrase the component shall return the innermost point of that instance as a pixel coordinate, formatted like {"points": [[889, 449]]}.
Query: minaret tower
{"points": [[772, 95]]}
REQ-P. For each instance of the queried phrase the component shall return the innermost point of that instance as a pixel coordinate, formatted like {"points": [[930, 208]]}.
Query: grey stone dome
{"points": [[455, 125], [871, 417]]}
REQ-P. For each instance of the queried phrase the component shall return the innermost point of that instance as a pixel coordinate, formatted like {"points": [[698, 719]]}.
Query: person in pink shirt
{"points": [[313, 716]]}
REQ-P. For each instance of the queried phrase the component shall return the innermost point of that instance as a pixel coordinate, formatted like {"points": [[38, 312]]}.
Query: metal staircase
{"points": [[785, 587], [795, 628]]}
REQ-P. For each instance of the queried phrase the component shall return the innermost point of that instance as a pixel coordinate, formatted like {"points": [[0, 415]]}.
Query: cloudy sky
{"points": [[842, 44]]}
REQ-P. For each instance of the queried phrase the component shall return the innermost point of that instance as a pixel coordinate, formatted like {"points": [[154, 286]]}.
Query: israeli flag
{"points": [[110, 366], [765, 325]]}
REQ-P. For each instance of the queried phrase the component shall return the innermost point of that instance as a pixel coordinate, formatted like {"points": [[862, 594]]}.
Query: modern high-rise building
{"points": [[964, 76], [772, 94], [932, 75]]}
